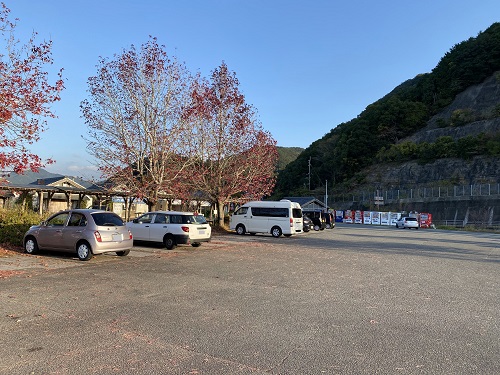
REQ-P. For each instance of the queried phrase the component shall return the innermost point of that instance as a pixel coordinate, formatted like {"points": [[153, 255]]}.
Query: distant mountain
{"points": [[385, 133], [287, 155], [28, 177]]}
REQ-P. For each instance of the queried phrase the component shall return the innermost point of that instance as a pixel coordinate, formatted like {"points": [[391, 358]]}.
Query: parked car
{"points": [[330, 225], [308, 224], [407, 222], [318, 224], [84, 231], [329, 220], [278, 218], [171, 228]]}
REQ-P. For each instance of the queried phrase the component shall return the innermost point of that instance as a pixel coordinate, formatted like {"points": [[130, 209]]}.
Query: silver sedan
{"points": [[83, 231]]}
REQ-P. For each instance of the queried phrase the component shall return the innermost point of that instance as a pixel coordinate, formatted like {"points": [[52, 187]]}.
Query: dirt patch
{"points": [[10, 251], [14, 261], [7, 250], [5, 274]]}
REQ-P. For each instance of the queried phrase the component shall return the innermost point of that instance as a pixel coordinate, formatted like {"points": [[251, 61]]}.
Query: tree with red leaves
{"points": [[25, 97], [137, 131], [235, 158]]}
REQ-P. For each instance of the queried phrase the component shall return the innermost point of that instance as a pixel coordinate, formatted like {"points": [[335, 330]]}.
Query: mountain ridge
{"points": [[453, 102]]}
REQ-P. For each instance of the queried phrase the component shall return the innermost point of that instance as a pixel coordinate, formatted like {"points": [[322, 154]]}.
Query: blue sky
{"points": [[306, 66]]}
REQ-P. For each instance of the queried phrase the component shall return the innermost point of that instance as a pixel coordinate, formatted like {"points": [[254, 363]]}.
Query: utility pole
{"points": [[326, 196], [309, 175]]}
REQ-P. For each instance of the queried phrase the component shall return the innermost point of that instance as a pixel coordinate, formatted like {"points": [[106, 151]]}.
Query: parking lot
{"points": [[352, 300]]}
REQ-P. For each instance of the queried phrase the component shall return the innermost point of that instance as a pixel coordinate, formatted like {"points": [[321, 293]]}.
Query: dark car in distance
{"points": [[308, 224]]}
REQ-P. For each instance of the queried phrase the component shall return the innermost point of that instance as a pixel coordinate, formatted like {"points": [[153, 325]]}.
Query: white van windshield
{"points": [[241, 211]]}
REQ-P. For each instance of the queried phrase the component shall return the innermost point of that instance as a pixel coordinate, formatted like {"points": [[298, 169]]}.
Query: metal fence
{"points": [[422, 193], [495, 225]]}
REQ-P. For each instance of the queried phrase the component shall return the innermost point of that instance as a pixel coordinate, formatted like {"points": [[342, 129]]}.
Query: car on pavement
{"points": [[277, 218], [308, 224], [83, 231], [171, 228], [318, 224], [407, 222], [329, 220]]}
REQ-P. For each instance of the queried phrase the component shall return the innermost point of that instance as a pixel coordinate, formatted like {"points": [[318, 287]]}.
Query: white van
{"points": [[275, 217]]}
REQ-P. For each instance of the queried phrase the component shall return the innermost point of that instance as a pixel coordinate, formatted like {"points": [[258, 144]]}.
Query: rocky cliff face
{"points": [[480, 170], [482, 100], [491, 126], [479, 103]]}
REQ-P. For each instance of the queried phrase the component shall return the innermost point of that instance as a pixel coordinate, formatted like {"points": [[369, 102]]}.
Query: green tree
{"points": [[444, 147]]}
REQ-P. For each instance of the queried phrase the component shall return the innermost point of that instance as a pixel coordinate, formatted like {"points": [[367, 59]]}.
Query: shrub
{"points": [[461, 117], [441, 123], [14, 223]]}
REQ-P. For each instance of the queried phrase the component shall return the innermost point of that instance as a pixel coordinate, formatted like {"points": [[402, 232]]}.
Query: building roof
{"points": [[47, 181], [308, 203]]}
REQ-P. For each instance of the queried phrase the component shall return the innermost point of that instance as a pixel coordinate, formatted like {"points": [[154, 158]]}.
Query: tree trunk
{"points": [[220, 213], [129, 208], [151, 205], [126, 216]]}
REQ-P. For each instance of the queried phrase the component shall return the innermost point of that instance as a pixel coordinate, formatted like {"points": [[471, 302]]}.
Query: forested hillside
{"points": [[375, 135], [287, 155]]}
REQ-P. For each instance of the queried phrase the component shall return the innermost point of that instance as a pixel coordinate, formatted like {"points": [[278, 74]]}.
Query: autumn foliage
{"points": [[159, 132], [136, 128], [25, 96], [235, 158]]}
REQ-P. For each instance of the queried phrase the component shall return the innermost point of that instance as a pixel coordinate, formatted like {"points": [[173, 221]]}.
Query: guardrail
{"points": [[450, 223]]}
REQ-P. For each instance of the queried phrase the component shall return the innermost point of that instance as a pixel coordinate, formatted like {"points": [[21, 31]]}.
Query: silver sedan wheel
{"points": [[84, 252], [30, 246]]}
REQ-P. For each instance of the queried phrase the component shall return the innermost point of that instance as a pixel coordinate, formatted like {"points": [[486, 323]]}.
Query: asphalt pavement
{"points": [[351, 300]]}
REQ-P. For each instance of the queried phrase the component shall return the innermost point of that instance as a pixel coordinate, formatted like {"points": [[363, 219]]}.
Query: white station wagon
{"points": [[171, 228], [407, 222]]}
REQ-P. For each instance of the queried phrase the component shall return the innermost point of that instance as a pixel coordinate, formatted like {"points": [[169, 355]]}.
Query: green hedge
{"points": [[14, 223]]}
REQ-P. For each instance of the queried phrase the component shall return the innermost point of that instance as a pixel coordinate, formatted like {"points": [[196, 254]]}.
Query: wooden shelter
{"points": [[51, 192]]}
